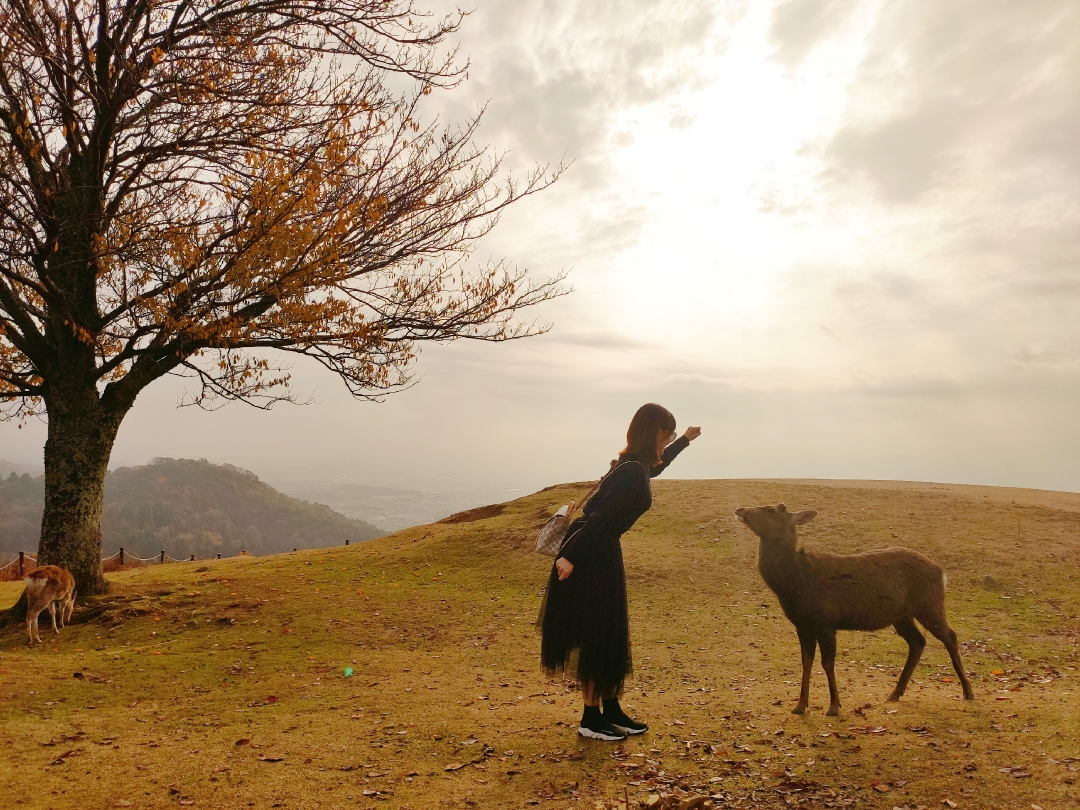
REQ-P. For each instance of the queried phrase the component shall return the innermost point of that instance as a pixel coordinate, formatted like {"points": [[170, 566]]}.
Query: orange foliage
{"points": [[187, 185]]}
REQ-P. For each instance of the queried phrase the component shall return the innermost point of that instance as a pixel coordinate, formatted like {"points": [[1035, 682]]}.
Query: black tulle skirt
{"points": [[585, 623]]}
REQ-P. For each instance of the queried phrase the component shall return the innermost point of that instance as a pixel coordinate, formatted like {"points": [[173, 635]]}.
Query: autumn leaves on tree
{"points": [[193, 187]]}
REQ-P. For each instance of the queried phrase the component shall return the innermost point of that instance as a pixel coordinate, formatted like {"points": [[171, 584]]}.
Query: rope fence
{"points": [[26, 562], [17, 568]]}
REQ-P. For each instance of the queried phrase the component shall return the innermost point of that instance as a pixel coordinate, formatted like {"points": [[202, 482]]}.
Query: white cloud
{"points": [[842, 236]]}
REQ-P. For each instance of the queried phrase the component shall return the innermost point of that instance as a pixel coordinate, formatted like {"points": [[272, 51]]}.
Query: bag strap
{"points": [[570, 538], [596, 486]]}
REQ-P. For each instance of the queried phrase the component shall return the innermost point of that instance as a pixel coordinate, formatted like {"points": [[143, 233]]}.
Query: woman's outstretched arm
{"points": [[674, 449]]}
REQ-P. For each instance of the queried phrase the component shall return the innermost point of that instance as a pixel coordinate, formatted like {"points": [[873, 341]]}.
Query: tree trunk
{"points": [[80, 441]]}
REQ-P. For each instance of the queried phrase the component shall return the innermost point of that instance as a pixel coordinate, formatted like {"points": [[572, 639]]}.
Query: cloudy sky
{"points": [[843, 237]]}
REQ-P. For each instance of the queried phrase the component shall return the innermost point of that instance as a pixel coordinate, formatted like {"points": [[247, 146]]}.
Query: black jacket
{"points": [[624, 496]]}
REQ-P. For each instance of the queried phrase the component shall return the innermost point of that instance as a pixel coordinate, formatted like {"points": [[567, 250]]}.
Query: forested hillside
{"points": [[184, 507]]}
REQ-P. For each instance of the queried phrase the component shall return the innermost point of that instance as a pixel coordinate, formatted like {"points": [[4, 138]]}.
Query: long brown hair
{"points": [[649, 420]]}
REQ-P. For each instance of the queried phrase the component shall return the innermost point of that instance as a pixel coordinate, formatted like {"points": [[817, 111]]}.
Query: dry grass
{"points": [[223, 684]]}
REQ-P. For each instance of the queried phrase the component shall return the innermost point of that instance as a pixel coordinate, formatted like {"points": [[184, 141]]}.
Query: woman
{"points": [[584, 619]]}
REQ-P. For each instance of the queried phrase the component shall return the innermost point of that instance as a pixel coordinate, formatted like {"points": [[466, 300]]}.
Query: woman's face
{"points": [[663, 439]]}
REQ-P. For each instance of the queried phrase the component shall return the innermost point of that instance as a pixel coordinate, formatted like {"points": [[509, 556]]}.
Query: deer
{"points": [[48, 586], [821, 593]]}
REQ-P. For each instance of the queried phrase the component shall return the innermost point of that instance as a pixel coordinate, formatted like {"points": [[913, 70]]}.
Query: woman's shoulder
{"points": [[629, 472]]}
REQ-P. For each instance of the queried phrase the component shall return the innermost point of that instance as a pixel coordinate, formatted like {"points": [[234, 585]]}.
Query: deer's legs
{"points": [[947, 636], [827, 641], [32, 623], [809, 646], [52, 613], [916, 643]]}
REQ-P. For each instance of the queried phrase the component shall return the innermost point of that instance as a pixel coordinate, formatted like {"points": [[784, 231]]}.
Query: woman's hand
{"points": [[692, 433], [564, 567]]}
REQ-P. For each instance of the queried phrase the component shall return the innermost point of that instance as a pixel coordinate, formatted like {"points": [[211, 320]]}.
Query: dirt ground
{"points": [[403, 673]]}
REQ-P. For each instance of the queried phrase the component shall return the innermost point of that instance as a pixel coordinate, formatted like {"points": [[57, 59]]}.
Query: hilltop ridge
{"points": [[403, 673]]}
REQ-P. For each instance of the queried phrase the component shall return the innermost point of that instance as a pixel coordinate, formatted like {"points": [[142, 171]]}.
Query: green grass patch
{"points": [[223, 684]]}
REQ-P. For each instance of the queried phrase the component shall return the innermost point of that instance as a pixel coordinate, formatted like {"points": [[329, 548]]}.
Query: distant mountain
{"points": [[185, 507], [9, 467], [22, 500], [392, 508]]}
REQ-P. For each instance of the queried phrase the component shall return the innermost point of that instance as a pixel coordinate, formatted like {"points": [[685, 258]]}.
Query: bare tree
{"points": [[195, 186]]}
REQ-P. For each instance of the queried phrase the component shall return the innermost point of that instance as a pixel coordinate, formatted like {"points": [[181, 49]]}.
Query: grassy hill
{"points": [[224, 684], [184, 507]]}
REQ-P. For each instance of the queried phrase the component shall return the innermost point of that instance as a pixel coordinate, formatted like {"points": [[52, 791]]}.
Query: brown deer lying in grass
{"points": [[822, 593], [48, 586]]}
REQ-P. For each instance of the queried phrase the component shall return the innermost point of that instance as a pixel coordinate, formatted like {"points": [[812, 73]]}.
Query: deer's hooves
{"points": [[894, 697], [799, 710]]}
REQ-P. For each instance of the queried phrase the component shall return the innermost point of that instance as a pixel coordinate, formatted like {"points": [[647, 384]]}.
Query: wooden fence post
{"points": [[192, 558], [20, 565], [219, 555], [121, 556], [162, 557]]}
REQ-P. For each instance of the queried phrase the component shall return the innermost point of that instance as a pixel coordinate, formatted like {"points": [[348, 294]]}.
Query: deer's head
{"points": [[773, 524]]}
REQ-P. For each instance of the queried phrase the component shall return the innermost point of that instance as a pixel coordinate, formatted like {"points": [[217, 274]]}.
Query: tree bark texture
{"points": [[80, 441]]}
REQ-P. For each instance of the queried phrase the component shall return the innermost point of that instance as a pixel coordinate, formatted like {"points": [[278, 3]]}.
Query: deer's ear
{"points": [[799, 518], [781, 508]]}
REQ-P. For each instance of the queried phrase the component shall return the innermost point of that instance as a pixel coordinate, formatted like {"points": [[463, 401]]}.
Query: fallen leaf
{"points": [[455, 766], [243, 741], [948, 802], [270, 759]]}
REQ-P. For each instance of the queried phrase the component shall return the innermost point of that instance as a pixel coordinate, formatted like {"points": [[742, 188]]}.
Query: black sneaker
{"points": [[625, 724], [597, 728]]}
